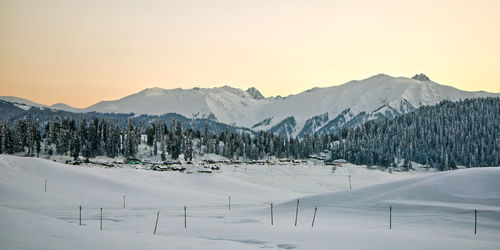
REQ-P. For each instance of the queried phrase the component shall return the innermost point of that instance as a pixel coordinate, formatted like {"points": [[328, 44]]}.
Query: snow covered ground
{"points": [[429, 210]]}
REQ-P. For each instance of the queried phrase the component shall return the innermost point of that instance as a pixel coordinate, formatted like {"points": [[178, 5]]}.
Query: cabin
{"points": [[180, 169], [329, 162], [76, 162], [336, 162], [161, 168], [171, 163], [313, 156], [106, 164], [132, 161], [204, 171]]}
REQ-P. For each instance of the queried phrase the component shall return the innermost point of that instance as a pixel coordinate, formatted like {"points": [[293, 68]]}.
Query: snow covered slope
{"points": [[21, 101], [64, 107], [433, 211], [314, 110], [464, 189], [27, 104], [224, 104]]}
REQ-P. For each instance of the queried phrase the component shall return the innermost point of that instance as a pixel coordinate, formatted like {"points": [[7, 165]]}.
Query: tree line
{"points": [[441, 136], [101, 137], [465, 133]]}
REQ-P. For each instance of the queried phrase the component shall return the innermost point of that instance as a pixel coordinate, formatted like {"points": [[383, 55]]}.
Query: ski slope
{"points": [[429, 211]]}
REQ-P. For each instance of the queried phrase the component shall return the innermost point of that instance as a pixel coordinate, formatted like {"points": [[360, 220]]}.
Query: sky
{"points": [[82, 52]]}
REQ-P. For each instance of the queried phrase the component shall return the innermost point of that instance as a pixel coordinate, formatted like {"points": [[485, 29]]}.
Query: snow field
{"points": [[430, 211]]}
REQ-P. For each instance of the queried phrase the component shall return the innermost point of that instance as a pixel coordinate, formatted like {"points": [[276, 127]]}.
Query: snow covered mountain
{"points": [[224, 104], [27, 104], [317, 109], [314, 110], [21, 102]]}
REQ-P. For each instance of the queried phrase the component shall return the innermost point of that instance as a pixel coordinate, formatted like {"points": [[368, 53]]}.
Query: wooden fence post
{"points": [[390, 217], [80, 215], [297, 212], [475, 221], [124, 201], [156, 223], [185, 215], [314, 217], [272, 220], [101, 218]]}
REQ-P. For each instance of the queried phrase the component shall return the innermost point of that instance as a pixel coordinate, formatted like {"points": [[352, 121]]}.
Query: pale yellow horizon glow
{"points": [[82, 52]]}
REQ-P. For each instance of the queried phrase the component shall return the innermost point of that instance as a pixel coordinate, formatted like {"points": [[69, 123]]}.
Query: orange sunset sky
{"points": [[81, 52]]}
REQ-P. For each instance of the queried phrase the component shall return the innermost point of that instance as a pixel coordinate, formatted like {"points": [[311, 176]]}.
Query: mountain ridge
{"points": [[314, 110]]}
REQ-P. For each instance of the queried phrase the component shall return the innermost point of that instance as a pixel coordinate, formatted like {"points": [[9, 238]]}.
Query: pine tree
{"points": [[37, 138], [188, 151], [6, 139], [94, 138], [75, 146]]}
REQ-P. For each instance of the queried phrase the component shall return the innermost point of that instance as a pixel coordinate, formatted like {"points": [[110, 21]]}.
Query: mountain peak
{"points": [[155, 91], [421, 77], [255, 93]]}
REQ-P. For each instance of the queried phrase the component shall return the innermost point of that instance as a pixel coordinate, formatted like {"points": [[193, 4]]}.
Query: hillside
{"points": [[465, 133]]}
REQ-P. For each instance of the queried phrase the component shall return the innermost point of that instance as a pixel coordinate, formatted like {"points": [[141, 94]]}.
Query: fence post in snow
{"points": [[229, 205], [314, 217], [272, 221], [297, 212], [101, 218], [156, 223], [124, 201], [390, 217], [350, 188], [475, 221], [185, 220], [45, 186], [80, 215]]}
